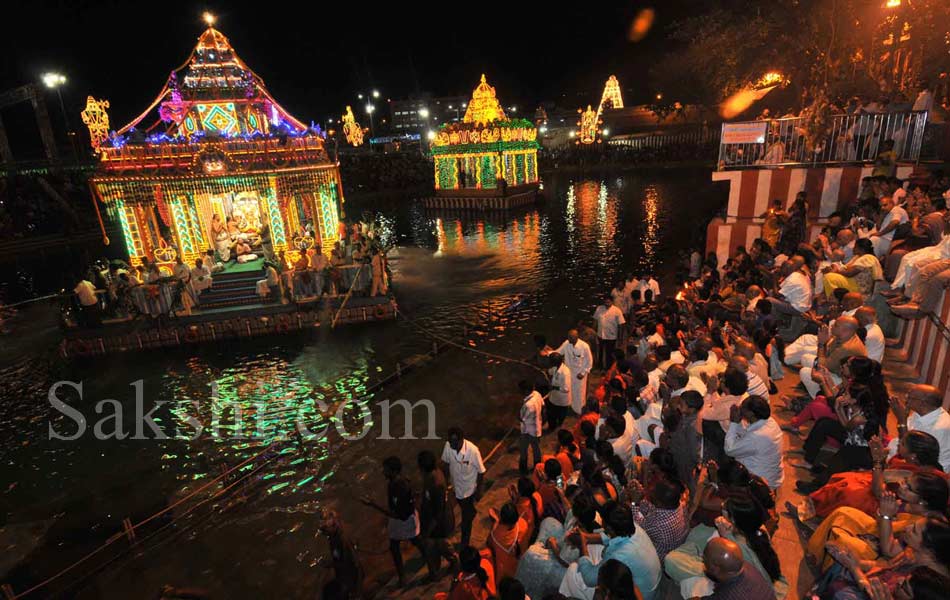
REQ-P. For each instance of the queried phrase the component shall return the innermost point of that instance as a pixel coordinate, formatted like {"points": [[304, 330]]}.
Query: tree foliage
{"points": [[829, 49]]}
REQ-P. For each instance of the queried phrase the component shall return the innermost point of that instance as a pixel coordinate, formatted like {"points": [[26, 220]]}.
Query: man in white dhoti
{"points": [[559, 399], [579, 360], [912, 262]]}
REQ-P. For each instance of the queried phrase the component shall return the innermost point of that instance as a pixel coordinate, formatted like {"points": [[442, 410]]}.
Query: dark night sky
{"points": [[315, 56]]}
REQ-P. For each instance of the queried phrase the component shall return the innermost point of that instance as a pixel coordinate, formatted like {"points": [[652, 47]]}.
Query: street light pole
{"points": [[54, 81]]}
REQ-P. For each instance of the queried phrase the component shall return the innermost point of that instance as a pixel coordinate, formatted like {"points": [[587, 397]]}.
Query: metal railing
{"points": [[697, 136], [851, 139]]}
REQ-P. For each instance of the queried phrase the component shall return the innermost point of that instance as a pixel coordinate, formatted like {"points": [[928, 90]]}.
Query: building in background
{"points": [[425, 112]]}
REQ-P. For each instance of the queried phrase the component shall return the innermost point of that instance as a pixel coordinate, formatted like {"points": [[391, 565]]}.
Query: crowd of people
{"points": [[619, 155], [667, 467], [357, 265], [392, 171]]}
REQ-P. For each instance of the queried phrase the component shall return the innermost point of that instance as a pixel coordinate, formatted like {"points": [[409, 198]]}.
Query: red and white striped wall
{"points": [[924, 346], [751, 190]]}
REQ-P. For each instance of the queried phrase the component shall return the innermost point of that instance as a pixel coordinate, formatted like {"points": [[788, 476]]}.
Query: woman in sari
{"points": [[918, 451], [507, 540], [476, 578], [858, 275], [921, 496], [924, 545]]}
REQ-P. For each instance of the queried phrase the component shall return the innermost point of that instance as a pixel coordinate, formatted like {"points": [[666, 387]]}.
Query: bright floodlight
{"points": [[606, 132], [209, 18], [430, 135], [369, 109], [572, 134], [53, 80], [424, 113], [375, 93], [360, 96]]}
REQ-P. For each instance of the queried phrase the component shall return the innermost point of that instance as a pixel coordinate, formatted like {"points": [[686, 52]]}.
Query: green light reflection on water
{"points": [[265, 400]]}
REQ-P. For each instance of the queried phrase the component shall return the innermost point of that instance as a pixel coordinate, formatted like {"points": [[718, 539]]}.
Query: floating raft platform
{"points": [[491, 199], [230, 323]]}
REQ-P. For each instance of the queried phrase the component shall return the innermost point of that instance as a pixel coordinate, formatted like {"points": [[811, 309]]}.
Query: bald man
{"points": [[803, 350], [836, 344], [922, 410], [757, 387], [757, 363], [874, 340], [579, 361], [795, 291], [733, 577]]}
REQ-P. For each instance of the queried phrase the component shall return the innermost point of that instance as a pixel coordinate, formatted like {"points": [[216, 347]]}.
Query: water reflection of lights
{"points": [[440, 237], [569, 214], [650, 240]]}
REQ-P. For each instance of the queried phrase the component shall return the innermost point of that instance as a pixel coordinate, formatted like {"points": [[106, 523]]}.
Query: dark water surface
{"points": [[507, 276]]}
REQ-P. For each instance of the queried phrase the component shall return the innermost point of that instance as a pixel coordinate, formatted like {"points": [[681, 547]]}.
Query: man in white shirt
{"points": [[893, 216], [463, 466], [200, 277], [657, 338], [760, 445], [796, 288], [926, 414], [530, 419], [579, 360], [89, 301], [559, 400], [610, 323], [700, 364], [679, 381], [621, 299], [649, 285], [874, 342]]}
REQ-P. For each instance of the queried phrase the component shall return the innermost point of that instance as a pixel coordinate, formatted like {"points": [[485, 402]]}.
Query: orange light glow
{"points": [[738, 103], [641, 25]]}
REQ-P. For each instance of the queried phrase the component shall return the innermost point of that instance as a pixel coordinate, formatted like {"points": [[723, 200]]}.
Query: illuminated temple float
{"points": [[216, 143], [487, 160]]}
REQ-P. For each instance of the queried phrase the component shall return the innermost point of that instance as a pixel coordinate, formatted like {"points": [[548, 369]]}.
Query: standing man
{"points": [[579, 360], [343, 559], [89, 301], [401, 510], [530, 418], [610, 323], [436, 517], [462, 462], [379, 273], [559, 399]]}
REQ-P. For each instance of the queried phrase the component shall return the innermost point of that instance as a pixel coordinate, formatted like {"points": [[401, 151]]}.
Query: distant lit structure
{"points": [[351, 129], [588, 127], [219, 145], [611, 98], [486, 147]]}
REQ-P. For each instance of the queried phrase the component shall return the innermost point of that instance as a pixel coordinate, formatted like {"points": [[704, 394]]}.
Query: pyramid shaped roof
{"points": [[215, 91]]}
